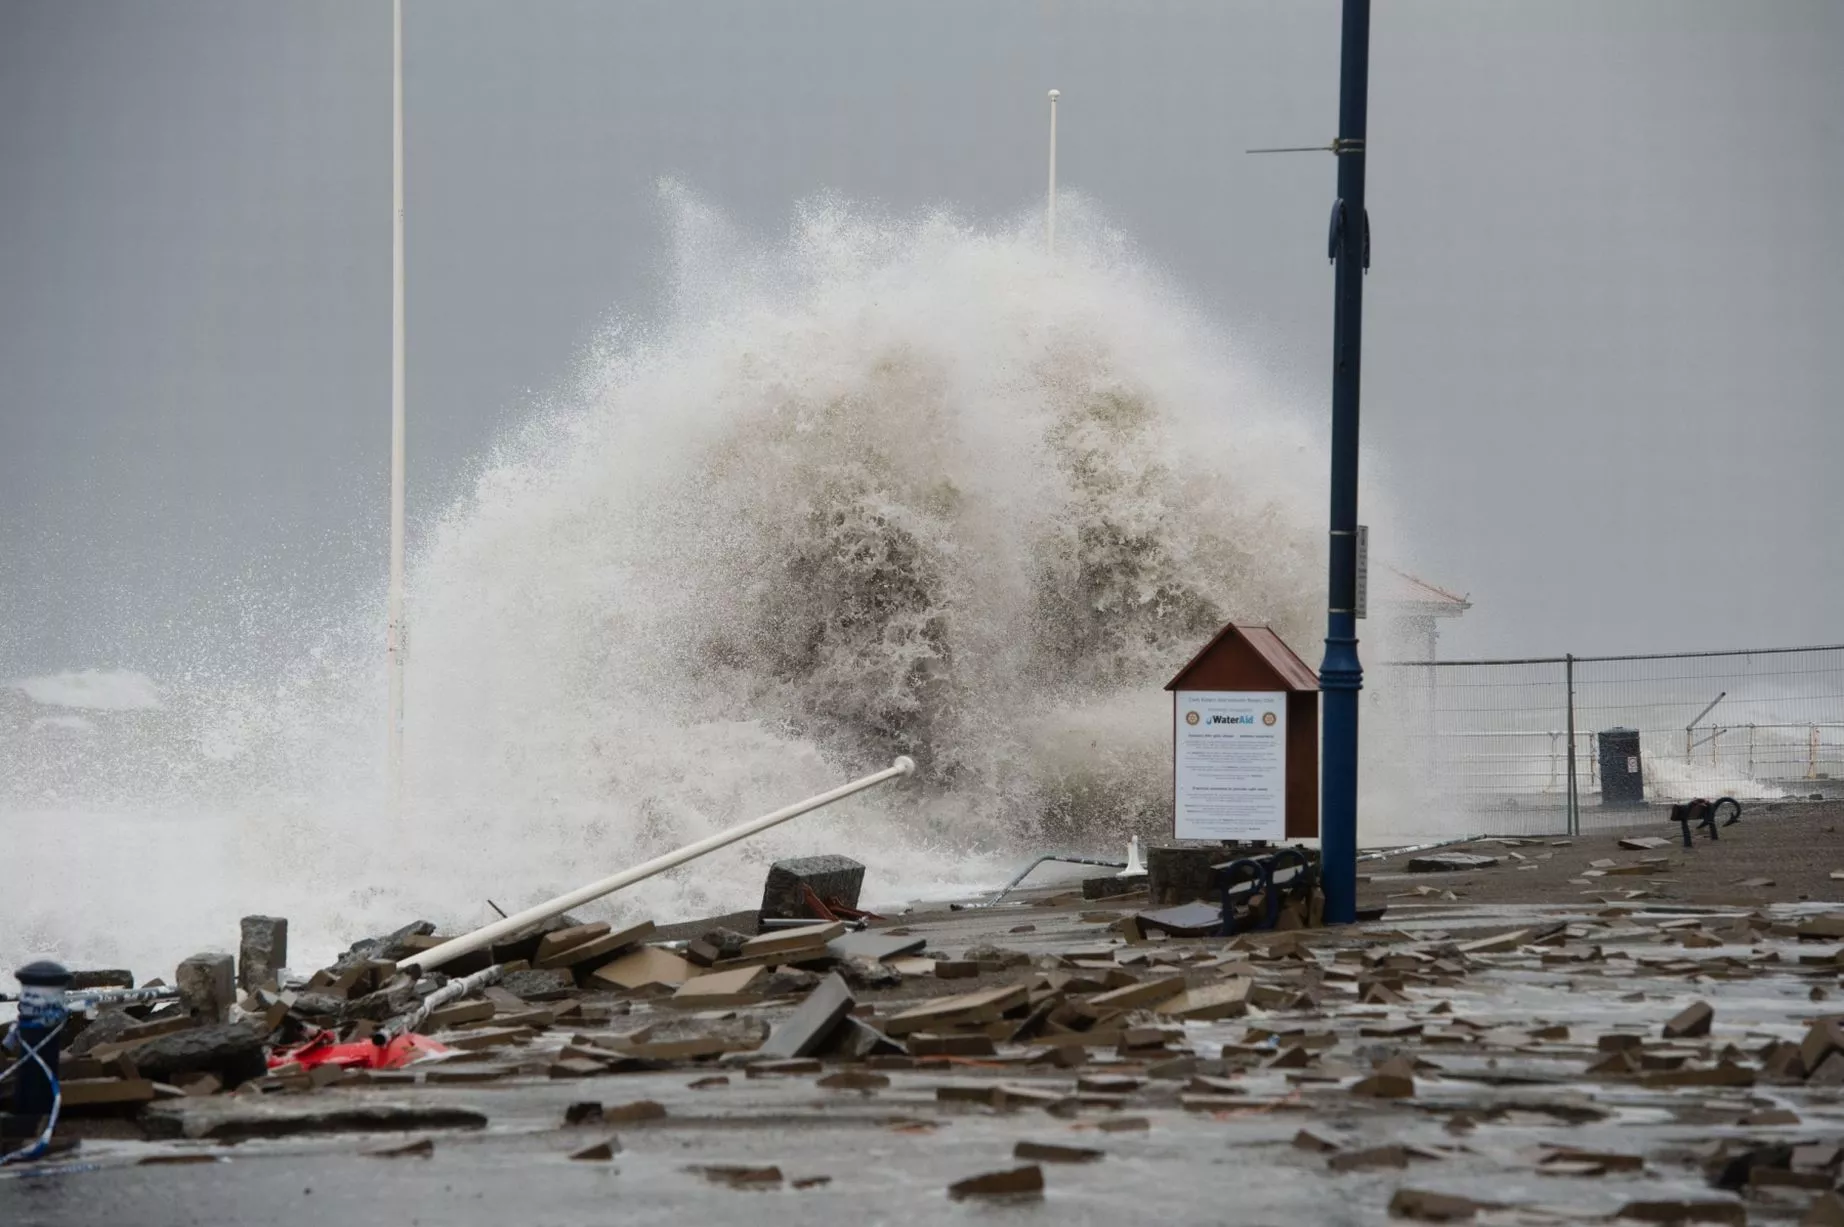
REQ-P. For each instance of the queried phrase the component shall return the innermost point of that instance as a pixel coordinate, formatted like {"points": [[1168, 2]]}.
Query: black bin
{"points": [[1622, 779]]}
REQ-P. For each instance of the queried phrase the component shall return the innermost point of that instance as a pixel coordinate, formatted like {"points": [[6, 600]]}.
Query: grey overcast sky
{"points": [[1605, 320]]}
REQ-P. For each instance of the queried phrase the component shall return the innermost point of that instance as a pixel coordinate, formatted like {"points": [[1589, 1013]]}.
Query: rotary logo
{"points": [[1268, 718], [1191, 717]]}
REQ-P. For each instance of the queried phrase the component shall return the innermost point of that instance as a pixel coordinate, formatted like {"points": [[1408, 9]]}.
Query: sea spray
{"points": [[884, 486]]}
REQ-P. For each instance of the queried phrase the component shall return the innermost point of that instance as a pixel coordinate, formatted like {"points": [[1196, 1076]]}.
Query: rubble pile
{"points": [[1431, 1054]]}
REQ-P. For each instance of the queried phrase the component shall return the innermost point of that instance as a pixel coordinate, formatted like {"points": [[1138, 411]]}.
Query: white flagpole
{"points": [[1050, 214], [394, 631]]}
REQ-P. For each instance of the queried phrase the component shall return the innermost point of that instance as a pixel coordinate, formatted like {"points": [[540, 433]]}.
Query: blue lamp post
{"points": [[1341, 676]]}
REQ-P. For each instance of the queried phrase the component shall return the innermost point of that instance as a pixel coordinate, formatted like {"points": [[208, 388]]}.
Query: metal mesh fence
{"points": [[1492, 737], [1490, 740]]}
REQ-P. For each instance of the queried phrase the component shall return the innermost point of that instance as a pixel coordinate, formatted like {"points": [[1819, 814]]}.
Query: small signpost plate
{"points": [[1363, 571]]}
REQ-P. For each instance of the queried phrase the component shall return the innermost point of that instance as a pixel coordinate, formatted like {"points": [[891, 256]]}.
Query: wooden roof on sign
{"points": [[1270, 653]]}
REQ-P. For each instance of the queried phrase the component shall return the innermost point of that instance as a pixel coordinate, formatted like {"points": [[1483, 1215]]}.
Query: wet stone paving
{"points": [[1047, 1061]]}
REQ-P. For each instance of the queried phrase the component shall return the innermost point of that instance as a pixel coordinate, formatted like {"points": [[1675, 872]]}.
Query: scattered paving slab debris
{"points": [[601, 1152], [1018, 1182], [1050, 1152], [1451, 862], [235, 1118], [1450, 1043]]}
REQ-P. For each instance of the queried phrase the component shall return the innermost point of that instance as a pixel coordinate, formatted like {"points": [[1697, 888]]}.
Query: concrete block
{"points": [[262, 952], [207, 986], [1110, 886], [233, 1052], [833, 878], [1181, 875]]}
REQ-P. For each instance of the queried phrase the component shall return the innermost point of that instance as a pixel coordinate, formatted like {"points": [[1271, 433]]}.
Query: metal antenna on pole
{"points": [[1050, 213], [394, 629], [1341, 676]]}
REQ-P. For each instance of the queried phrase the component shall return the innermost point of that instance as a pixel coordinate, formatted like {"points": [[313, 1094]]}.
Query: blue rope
{"points": [[14, 1042]]}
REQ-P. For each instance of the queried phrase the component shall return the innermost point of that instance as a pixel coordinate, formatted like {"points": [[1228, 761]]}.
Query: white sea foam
{"points": [[93, 690], [880, 487]]}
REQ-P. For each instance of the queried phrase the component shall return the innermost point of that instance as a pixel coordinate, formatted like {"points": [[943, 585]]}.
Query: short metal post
{"points": [[42, 1011]]}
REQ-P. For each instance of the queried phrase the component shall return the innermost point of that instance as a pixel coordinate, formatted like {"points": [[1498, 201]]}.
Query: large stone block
{"points": [[233, 1052], [835, 879], [207, 986], [262, 953], [1181, 875]]}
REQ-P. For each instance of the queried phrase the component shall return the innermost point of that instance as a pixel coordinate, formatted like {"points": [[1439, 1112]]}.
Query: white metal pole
{"points": [[394, 630], [1050, 213], [435, 956]]}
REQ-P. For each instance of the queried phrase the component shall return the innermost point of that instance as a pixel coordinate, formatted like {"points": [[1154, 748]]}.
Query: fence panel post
{"points": [[1573, 817]]}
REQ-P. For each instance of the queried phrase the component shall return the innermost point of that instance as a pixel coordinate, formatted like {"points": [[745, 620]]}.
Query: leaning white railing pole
{"points": [[435, 956]]}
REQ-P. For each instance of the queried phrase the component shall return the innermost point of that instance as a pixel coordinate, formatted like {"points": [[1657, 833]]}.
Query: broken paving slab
{"points": [[601, 1152], [535, 985], [1450, 862], [1206, 1003], [803, 1032], [875, 946], [856, 1040], [563, 939], [228, 1118], [1690, 1022], [982, 1007], [1050, 1152], [1425, 1206], [647, 967], [1683, 1212], [604, 947], [722, 988], [1137, 995], [739, 1176], [792, 941], [1196, 919], [1018, 1182]]}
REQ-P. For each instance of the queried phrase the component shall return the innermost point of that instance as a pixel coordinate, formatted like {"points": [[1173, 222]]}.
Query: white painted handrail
{"points": [[435, 956]]}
